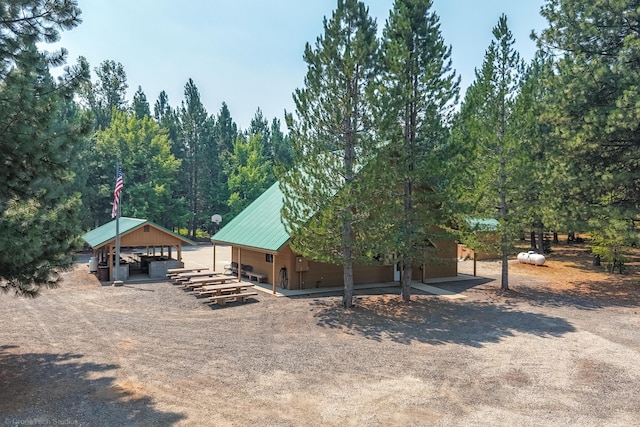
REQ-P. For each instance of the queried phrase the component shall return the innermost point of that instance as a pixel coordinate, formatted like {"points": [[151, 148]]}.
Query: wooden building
{"points": [[154, 247], [485, 232], [259, 242]]}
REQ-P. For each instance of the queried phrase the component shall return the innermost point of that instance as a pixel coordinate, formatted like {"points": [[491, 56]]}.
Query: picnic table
{"points": [[174, 272], [225, 292], [203, 281], [185, 277], [220, 278]]}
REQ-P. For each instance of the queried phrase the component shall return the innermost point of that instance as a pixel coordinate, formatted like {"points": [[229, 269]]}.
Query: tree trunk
{"points": [[532, 235], [504, 283], [540, 237], [347, 226], [347, 257], [407, 276], [555, 238], [347, 296], [347, 266], [407, 259]]}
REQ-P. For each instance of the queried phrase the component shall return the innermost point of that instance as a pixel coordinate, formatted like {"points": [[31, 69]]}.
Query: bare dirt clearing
{"points": [[562, 349]]}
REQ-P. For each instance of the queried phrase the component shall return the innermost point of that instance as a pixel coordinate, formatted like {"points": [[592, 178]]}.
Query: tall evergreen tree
{"points": [[140, 105], [281, 145], [259, 126], [420, 90], [107, 93], [333, 138], [249, 167], [225, 134], [226, 129], [38, 220], [487, 128], [595, 104], [167, 118], [538, 202], [196, 128], [250, 173]]}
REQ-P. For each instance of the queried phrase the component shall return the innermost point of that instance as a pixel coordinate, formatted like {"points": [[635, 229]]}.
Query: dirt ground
{"points": [[562, 348]]}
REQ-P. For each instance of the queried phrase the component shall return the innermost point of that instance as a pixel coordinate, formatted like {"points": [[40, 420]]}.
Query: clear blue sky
{"points": [[248, 53]]}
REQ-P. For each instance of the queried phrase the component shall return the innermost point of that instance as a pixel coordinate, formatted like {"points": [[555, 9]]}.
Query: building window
{"points": [[269, 258], [146, 228]]}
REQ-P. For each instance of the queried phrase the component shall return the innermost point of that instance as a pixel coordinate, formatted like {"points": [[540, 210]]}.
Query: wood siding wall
{"points": [[320, 275], [153, 237], [444, 263]]}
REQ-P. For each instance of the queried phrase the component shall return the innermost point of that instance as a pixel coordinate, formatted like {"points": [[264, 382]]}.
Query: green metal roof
{"points": [[483, 224], [107, 232], [259, 225]]}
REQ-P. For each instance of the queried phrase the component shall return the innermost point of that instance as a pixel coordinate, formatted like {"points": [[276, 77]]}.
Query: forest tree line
{"points": [[546, 145], [180, 164]]}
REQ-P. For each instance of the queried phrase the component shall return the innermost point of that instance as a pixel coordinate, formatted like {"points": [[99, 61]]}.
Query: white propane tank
{"points": [[531, 258], [93, 264]]}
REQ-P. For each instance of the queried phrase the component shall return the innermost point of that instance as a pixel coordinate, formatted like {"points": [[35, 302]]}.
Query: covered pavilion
{"points": [[154, 249]]}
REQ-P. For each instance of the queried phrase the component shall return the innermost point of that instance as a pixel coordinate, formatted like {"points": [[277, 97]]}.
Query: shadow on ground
{"points": [[436, 321], [50, 389], [586, 295], [464, 285]]}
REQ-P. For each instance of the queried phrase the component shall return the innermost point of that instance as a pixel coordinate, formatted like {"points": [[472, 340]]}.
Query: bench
{"points": [[257, 276], [223, 299], [224, 289], [231, 268]]}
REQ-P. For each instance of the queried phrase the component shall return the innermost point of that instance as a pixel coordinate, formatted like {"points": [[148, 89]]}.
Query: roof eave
{"points": [[251, 248]]}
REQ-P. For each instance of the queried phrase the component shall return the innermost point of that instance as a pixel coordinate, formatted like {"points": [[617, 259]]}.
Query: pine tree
{"points": [[594, 107], [167, 118], [486, 127], [250, 173], [39, 217], [281, 143], [196, 131], [333, 138], [420, 90], [226, 129], [225, 134], [140, 106], [259, 126], [24, 23], [108, 93], [538, 203]]}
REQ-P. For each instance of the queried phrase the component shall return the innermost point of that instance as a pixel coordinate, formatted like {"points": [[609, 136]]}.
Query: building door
{"points": [[396, 272]]}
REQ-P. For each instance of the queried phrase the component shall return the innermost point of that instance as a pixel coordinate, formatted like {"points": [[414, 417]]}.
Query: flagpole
{"points": [[117, 262]]}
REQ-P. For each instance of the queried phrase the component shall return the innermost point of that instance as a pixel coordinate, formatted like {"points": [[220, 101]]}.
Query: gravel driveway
{"points": [[151, 354]]}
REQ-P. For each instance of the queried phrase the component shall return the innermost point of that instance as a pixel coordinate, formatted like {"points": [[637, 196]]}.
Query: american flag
{"points": [[116, 194]]}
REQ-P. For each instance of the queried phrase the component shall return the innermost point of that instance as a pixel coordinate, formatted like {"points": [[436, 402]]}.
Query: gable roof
{"points": [[107, 232], [259, 225]]}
